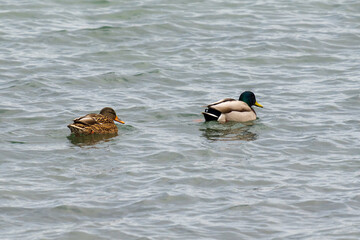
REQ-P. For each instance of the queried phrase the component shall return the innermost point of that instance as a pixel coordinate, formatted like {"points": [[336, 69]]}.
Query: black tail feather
{"points": [[211, 114]]}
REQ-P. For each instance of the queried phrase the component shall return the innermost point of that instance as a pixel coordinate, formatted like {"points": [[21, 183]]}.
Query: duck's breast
{"points": [[235, 116], [104, 128]]}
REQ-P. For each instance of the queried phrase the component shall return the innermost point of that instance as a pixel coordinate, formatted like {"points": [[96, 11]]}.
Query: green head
{"points": [[249, 98]]}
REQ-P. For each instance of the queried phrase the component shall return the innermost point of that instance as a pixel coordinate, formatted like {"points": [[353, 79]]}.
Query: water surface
{"points": [[293, 174]]}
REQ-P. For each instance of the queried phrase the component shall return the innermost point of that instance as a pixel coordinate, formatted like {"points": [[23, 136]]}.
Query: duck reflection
{"points": [[228, 132], [88, 140]]}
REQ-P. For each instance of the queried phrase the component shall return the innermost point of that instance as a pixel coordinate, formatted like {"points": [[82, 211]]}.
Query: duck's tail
{"points": [[211, 114], [78, 130]]}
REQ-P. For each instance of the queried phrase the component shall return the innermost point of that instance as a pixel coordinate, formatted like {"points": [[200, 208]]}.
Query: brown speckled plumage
{"points": [[102, 123]]}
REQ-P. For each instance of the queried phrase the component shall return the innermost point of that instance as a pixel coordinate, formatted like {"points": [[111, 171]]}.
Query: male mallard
{"points": [[229, 109], [101, 123]]}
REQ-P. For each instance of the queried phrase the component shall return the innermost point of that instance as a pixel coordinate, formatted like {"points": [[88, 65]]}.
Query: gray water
{"points": [[292, 174]]}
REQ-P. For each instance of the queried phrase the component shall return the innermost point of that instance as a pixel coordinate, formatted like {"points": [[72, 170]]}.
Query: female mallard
{"points": [[102, 123], [229, 109]]}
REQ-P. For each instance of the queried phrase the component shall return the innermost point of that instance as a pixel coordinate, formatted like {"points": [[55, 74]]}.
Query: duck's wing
{"points": [[228, 105], [220, 101], [89, 119]]}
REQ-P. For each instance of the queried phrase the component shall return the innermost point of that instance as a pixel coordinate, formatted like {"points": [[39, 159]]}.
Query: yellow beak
{"points": [[119, 120], [258, 104]]}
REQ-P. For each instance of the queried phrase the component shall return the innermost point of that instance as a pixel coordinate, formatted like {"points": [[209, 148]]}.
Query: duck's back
{"points": [[228, 104]]}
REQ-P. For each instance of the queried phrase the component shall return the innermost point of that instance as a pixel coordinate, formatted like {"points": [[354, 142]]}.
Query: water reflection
{"points": [[228, 132], [90, 139]]}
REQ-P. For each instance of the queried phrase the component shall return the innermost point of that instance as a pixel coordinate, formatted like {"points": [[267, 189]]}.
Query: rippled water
{"points": [[293, 174]]}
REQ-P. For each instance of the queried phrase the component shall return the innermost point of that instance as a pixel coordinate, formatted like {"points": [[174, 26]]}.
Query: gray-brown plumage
{"points": [[102, 123]]}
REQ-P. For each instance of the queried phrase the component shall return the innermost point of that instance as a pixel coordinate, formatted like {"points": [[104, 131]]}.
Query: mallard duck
{"points": [[102, 123], [229, 109]]}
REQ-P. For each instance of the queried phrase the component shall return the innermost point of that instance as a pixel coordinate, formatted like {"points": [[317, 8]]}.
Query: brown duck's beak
{"points": [[119, 120], [258, 104]]}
